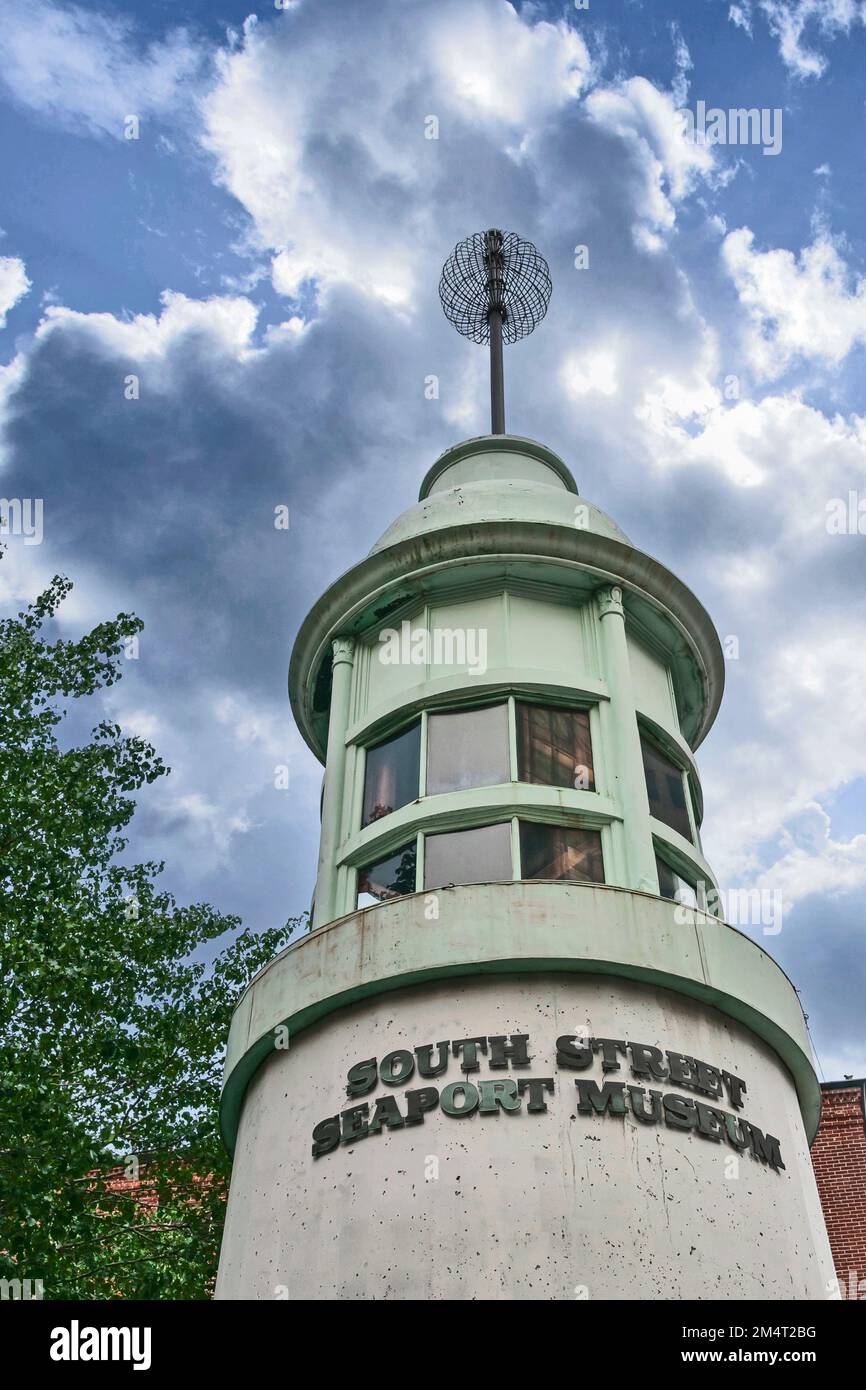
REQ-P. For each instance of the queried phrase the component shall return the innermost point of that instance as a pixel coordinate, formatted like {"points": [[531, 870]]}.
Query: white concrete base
{"points": [[519, 1206]]}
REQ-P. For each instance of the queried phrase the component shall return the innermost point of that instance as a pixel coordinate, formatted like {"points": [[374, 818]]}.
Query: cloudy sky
{"points": [[244, 213]]}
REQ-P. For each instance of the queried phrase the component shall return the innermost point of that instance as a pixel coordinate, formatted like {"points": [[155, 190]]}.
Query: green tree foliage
{"points": [[113, 1015]]}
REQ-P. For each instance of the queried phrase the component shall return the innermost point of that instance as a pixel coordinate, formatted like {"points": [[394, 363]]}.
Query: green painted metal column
{"points": [[335, 779], [628, 778]]}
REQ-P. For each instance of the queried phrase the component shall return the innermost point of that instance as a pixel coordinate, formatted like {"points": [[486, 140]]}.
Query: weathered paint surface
{"points": [[557, 1205], [485, 530], [553, 1205], [507, 928], [503, 548]]}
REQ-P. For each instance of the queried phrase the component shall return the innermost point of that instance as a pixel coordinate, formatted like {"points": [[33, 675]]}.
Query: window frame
{"points": [[386, 840], [508, 823], [692, 875], [380, 858], [674, 756], [471, 708], [577, 823], [510, 702], [368, 748], [679, 878], [568, 707]]}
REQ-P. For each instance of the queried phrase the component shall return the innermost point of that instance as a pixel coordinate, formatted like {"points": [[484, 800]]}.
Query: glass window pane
{"points": [[391, 774], [468, 856], [467, 748], [666, 790], [556, 851], [686, 893], [553, 747], [672, 886], [667, 879], [388, 878]]}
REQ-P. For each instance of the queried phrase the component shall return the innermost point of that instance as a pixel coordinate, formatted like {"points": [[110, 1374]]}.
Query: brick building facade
{"points": [[839, 1158]]}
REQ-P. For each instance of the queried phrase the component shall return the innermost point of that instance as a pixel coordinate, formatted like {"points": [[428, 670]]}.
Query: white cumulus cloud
{"points": [[670, 164], [88, 70], [800, 25], [14, 284], [224, 323], [595, 371], [808, 306], [336, 161]]}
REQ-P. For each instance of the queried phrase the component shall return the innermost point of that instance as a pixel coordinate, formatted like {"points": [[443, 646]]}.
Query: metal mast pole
{"points": [[495, 288], [496, 314]]}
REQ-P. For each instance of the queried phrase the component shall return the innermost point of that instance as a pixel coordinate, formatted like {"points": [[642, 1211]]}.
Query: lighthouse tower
{"points": [[520, 1054]]}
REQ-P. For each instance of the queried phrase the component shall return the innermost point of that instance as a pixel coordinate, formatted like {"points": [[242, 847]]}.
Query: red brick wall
{"points": [[839, 1159]]}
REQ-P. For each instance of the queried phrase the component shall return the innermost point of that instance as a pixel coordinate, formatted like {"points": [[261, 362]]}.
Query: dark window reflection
{"points": [[553, 747], [391, 774], [554, 851], [667, 879], [389, 878], [674, 887], [666, 790]]}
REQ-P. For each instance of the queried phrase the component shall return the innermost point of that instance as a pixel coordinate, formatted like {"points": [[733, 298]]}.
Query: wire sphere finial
{"points": [[495, 271]]}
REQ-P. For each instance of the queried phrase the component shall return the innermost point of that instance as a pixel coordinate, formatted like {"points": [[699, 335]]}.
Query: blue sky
{"points": [[264, 258]]}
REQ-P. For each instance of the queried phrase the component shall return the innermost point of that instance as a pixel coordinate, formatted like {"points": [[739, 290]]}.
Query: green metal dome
{"points": [[506, 479]]}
